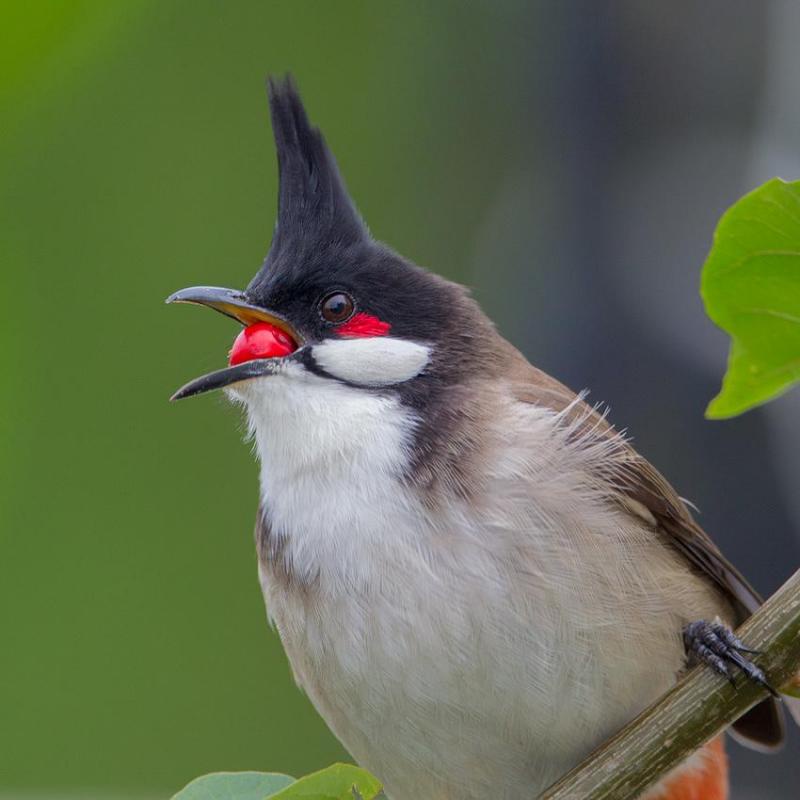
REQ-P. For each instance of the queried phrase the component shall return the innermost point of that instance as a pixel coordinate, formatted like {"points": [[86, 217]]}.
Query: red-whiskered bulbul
{"points": [[476, 579]]}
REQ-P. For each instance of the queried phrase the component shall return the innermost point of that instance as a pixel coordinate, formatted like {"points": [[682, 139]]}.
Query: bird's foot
{"points": [[715, 644]]}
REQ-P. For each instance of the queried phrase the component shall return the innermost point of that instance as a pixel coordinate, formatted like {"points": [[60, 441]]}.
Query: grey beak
{"points": [[232, 304], [236, 306]]}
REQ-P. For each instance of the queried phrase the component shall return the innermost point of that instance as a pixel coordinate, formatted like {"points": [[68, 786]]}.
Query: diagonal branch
{"points": [[696, 710]]}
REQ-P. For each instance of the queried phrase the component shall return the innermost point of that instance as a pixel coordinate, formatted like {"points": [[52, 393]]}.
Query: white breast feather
{"points": [[331, 457], [479, 650]]}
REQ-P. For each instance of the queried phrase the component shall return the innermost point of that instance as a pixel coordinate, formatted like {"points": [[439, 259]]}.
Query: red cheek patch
{"points": [[362, 325]]}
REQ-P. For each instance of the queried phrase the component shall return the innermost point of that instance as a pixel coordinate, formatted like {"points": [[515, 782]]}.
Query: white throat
{"points": [[332, 459]]}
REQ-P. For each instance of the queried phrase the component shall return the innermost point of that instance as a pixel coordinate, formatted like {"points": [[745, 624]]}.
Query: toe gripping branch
{"points": [[715, 644]]}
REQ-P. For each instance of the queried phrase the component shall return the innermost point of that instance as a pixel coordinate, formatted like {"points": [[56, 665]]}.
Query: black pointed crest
{"points": [[315, 211]]}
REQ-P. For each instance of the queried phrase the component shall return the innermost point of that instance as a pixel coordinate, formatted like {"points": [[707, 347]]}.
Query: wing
{"points": [[641, 490]]}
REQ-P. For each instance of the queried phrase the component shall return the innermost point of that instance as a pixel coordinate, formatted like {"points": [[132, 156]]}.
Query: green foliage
{"points": [[234, 786], [338, 782], [751, 289], [136, 157], [334, 783]]}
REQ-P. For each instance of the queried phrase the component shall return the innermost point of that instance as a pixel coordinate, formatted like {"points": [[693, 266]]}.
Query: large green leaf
{"points": [[234, 786], [337, 782], [751, 289]]}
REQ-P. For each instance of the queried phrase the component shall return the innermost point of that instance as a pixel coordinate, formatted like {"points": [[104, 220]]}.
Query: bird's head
{"points": [[331, 304]]}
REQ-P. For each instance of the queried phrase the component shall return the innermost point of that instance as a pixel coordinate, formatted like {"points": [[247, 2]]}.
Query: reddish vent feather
{"points": [[709, 781]]}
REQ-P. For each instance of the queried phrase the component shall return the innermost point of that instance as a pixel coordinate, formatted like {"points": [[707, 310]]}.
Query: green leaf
{"points": [[751, 289], [234, 786], [334, 783]]}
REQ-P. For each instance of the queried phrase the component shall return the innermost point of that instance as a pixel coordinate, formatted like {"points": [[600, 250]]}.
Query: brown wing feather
{"points": [[638, 484]]}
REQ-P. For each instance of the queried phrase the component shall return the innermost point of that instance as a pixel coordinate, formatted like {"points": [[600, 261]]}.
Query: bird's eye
{"points": [[337, 307]]}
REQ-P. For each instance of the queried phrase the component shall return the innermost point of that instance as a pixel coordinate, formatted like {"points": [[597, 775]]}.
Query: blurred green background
{"points": [[136, 159], [569, 165]]}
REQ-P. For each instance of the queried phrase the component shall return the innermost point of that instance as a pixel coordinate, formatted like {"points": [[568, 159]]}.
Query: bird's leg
{"points": [[715, 644]]}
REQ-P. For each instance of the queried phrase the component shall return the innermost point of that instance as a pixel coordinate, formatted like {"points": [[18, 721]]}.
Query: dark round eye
{"points": [[337, 307]]}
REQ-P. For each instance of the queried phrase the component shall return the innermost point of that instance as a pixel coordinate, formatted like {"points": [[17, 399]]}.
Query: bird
{"points": [[475, 576]]}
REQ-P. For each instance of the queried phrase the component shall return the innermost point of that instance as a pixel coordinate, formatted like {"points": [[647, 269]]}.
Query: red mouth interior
{"points": [[261, 340]]}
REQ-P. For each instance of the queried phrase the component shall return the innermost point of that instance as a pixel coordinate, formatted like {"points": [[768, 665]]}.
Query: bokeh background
{"points": [[567, 160]]}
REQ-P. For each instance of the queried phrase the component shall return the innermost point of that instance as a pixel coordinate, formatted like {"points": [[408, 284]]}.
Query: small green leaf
{"points": [[334, 783], [751, 289], [234, 786]]}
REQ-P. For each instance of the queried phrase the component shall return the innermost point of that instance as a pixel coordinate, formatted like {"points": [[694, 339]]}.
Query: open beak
{"points": [[225, 377], [233, 304], [236, 306]]}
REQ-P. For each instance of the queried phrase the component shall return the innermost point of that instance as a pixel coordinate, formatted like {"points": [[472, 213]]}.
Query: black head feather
{"points": [[315, 212], [321, 245]]}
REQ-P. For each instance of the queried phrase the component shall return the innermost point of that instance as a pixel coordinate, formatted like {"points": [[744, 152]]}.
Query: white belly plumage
{"points": [[460, 652]]}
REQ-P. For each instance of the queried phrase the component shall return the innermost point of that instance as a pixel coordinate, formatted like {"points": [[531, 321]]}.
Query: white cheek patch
{"points": [[373, 361]]}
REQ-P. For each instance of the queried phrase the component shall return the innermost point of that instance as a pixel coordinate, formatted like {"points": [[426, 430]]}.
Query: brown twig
{"points": [[696, 710]]}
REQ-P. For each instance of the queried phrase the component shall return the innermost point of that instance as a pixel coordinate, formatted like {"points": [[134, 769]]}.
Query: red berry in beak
{"points": [[261, 340]]}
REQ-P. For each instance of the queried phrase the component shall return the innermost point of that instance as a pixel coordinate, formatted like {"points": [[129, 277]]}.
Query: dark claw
{"points": [[713, 644]]}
